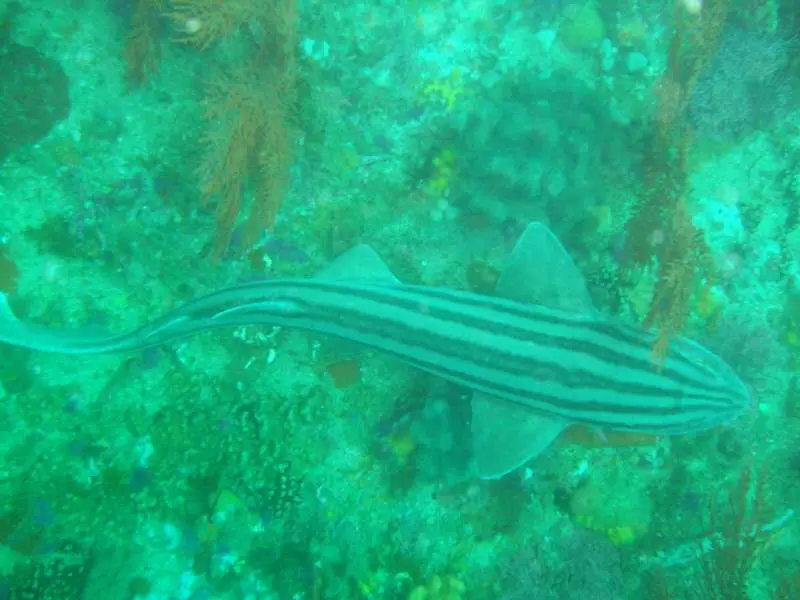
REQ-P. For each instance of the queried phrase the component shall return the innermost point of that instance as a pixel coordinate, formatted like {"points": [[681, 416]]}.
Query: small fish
{"points": [[536, 354], [283, 250]]}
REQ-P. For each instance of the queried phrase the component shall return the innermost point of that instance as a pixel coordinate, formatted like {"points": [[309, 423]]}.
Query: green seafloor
{"points": [[153, 151]]}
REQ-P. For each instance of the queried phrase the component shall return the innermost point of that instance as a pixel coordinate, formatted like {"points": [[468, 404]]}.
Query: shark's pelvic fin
{"points": [[539, 271]]}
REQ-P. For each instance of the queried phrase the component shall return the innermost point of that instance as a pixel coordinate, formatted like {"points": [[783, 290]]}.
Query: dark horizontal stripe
{"points": [[602, 353], [258, 299], [446, 347], [502, 361], [620, 333], [480, 324], [510, 394], [516, 395]]}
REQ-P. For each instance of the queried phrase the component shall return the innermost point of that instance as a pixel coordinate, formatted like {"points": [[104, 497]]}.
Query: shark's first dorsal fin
{"points": [[506, 436], [541, 272], [360, 263]]}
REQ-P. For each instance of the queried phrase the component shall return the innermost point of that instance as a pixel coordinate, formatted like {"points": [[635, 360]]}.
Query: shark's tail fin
{"points": [[15, 332]]}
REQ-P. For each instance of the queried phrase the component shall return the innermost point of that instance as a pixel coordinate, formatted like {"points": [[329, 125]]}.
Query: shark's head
{"points": [[719, 394]]}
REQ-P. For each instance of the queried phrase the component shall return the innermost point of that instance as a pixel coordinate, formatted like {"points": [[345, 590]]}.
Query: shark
{"points": [[536, 355]]}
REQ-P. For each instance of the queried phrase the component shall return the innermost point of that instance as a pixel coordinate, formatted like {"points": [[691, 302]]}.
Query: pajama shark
{"points": [[536, 355]]}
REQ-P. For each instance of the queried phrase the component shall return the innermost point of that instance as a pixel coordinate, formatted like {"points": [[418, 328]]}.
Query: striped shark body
{"points": [[536, 355]]}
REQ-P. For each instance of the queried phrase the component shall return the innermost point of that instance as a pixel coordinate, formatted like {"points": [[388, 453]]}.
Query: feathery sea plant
{"points": [[661, 227], [248, 145]]}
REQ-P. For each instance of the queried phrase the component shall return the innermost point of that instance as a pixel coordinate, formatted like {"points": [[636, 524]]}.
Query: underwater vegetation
{"points": [[250, 104], [33, 92]]}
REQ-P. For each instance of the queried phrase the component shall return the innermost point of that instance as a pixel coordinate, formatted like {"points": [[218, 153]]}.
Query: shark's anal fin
{"points": [[505, 436], [539, 271]]}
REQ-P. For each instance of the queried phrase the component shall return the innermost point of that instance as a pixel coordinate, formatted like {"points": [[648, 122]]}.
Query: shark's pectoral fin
{"points": [[540, 271], [505, 436], [360, 263]]}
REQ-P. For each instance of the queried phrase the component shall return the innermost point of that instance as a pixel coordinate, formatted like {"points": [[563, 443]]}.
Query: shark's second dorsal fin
{"points": [[360, 263], [540, 271]]}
